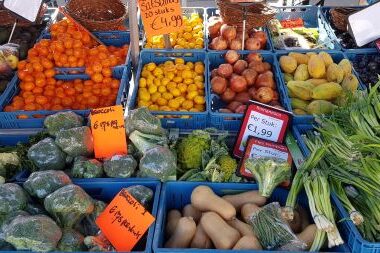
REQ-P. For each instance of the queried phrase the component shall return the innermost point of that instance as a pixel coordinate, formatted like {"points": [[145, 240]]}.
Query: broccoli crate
{"points": [[34, 119], [175, 195]]}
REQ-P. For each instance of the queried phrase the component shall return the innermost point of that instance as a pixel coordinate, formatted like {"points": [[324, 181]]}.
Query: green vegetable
{"points": [[143, 121], [98, 243], [46, 155], [76, 141], [37, 233], [41, 183], [228, 166], [71, 241], [158, 162], [269, 173], [68, 205], [86, 168], [144, 142], [142, 194], [122, 166], [12, 198], [34, 208], [7, 160], [88, 226], [62, 121], [190, 149]]}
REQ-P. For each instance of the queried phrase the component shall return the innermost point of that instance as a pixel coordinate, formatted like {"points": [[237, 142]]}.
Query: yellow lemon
{"points": [[188, 104], [180, 66], [199, 69], [191, 95], [167, 96], [190, 65], [175, 92], [181, 99], [192, 87], [161, 89], [179, 61], [187, 36], [187, 74], [199, 78], [153, 107], [145, 73], [158, 72], [162, 101], [199, 100], [200, 85], [142, 103], [171, 85], [165, 81], [188, 81], [142, 82], [182, 87], [151, 66], [144, 96], [155, 96], [174, 104], [170, 75], [199, 41], [152, 89], [199, 107], [177, 79]]}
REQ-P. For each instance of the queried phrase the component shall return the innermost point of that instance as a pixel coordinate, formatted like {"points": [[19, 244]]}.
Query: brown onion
{"points": [[265, 80], [254, 57], [218, 43], [236, 44], [267, 66], [215, 23], [228, 95], [250, 75], [218, 85], [225, 70], [240, 66], [261, 37], [252, 44], [231, 56], [228, 32], [257, 66], [238, 83], [264, 95]]}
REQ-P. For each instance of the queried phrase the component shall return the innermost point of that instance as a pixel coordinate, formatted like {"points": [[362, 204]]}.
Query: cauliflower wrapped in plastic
{"points": [[86, 168], [158, 162], [12, 198], [62, 121], [68, 205], [120, 166], [46, 155], [76, 141], [42, 183], [71, 241], [37, 233], [87, 225], [142, 194]]}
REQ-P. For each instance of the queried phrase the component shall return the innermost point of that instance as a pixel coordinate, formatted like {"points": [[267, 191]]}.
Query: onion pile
{"points": [[224, 36], [238, 81]]}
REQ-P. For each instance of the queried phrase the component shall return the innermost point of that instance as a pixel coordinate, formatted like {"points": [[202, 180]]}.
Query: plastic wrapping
{"points": [[273, 231], [9, 162], [42, 183], [68, 205], [142, 194], [71, 241], [86, 168], [88, 226], [35, 208], [76, 141], [120, 166], [37, 233], [98, 243], [46, 155], [158, 162], [142, 120], [143, 142], [62, 121], [12, 198]]}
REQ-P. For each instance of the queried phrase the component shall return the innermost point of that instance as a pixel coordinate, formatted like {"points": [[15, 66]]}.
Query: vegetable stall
{"points": [[240, 126]]}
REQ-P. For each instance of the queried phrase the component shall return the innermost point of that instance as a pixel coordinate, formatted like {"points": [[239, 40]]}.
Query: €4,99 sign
{"points": [[161, 16]]}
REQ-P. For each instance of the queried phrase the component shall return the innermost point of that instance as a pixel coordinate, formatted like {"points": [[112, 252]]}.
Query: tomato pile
{"points": [[68, 47]]}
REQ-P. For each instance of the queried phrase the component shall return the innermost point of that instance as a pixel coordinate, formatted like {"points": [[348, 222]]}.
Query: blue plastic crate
{"points": [[299, 131], [211, 12], [309, 119], [232, 121], [327, 16], [35, 118], [186, 11], [181, 120], [312, 18], [175, 195], [110, 38], [352, 55], [106, 191]]}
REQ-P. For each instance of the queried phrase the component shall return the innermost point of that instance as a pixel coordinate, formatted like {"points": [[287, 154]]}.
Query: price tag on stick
{"points": [[124, 221], [161, 17], [257, 148], [264, 122], [108, 131]]}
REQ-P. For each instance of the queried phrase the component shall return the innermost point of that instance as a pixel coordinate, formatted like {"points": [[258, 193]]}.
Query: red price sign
{"points": [[264, 122], [257, 148]]}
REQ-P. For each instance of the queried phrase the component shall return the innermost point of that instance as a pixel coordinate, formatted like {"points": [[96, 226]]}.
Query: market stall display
{"points": [[367, 65]]}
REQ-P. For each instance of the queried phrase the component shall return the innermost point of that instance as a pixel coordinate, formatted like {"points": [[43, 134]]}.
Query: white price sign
{"points": [[264, 122]]}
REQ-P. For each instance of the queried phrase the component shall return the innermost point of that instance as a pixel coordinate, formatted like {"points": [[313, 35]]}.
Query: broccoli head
{"points": [[68, 205], [88, 226], [62, 121], [86, 168], [71, 241], [76, 141], [120, 166], [158, 162], [190, 149], [46, 155], [12, 198], [42, 183], [37, 233]]}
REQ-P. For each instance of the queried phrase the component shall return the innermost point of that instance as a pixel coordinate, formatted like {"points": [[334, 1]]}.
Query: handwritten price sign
{"points": [[263, 122], [124, 221], [108, 124], [161, 16]]}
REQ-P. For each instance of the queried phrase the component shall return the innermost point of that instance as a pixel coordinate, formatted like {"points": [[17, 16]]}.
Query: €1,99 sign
{"points": [[161, 16]]}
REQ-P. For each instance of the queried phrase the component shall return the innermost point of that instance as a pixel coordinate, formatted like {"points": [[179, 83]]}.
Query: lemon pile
{"points": [[172, 86], [191, 37]]}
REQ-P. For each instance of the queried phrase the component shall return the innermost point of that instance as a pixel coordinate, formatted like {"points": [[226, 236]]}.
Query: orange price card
{"points": [[161, 17], [124, 221], [108, 131]]}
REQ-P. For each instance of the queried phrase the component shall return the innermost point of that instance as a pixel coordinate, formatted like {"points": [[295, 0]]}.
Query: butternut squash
{"points": [[190, 211], [201, 239], [296, 223], [248, 210], [204, 199], [172, 219], [308, 235], [221, 234], [304, 216], [183, 233], [242, 227], [248, 242], [238, 200]]}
